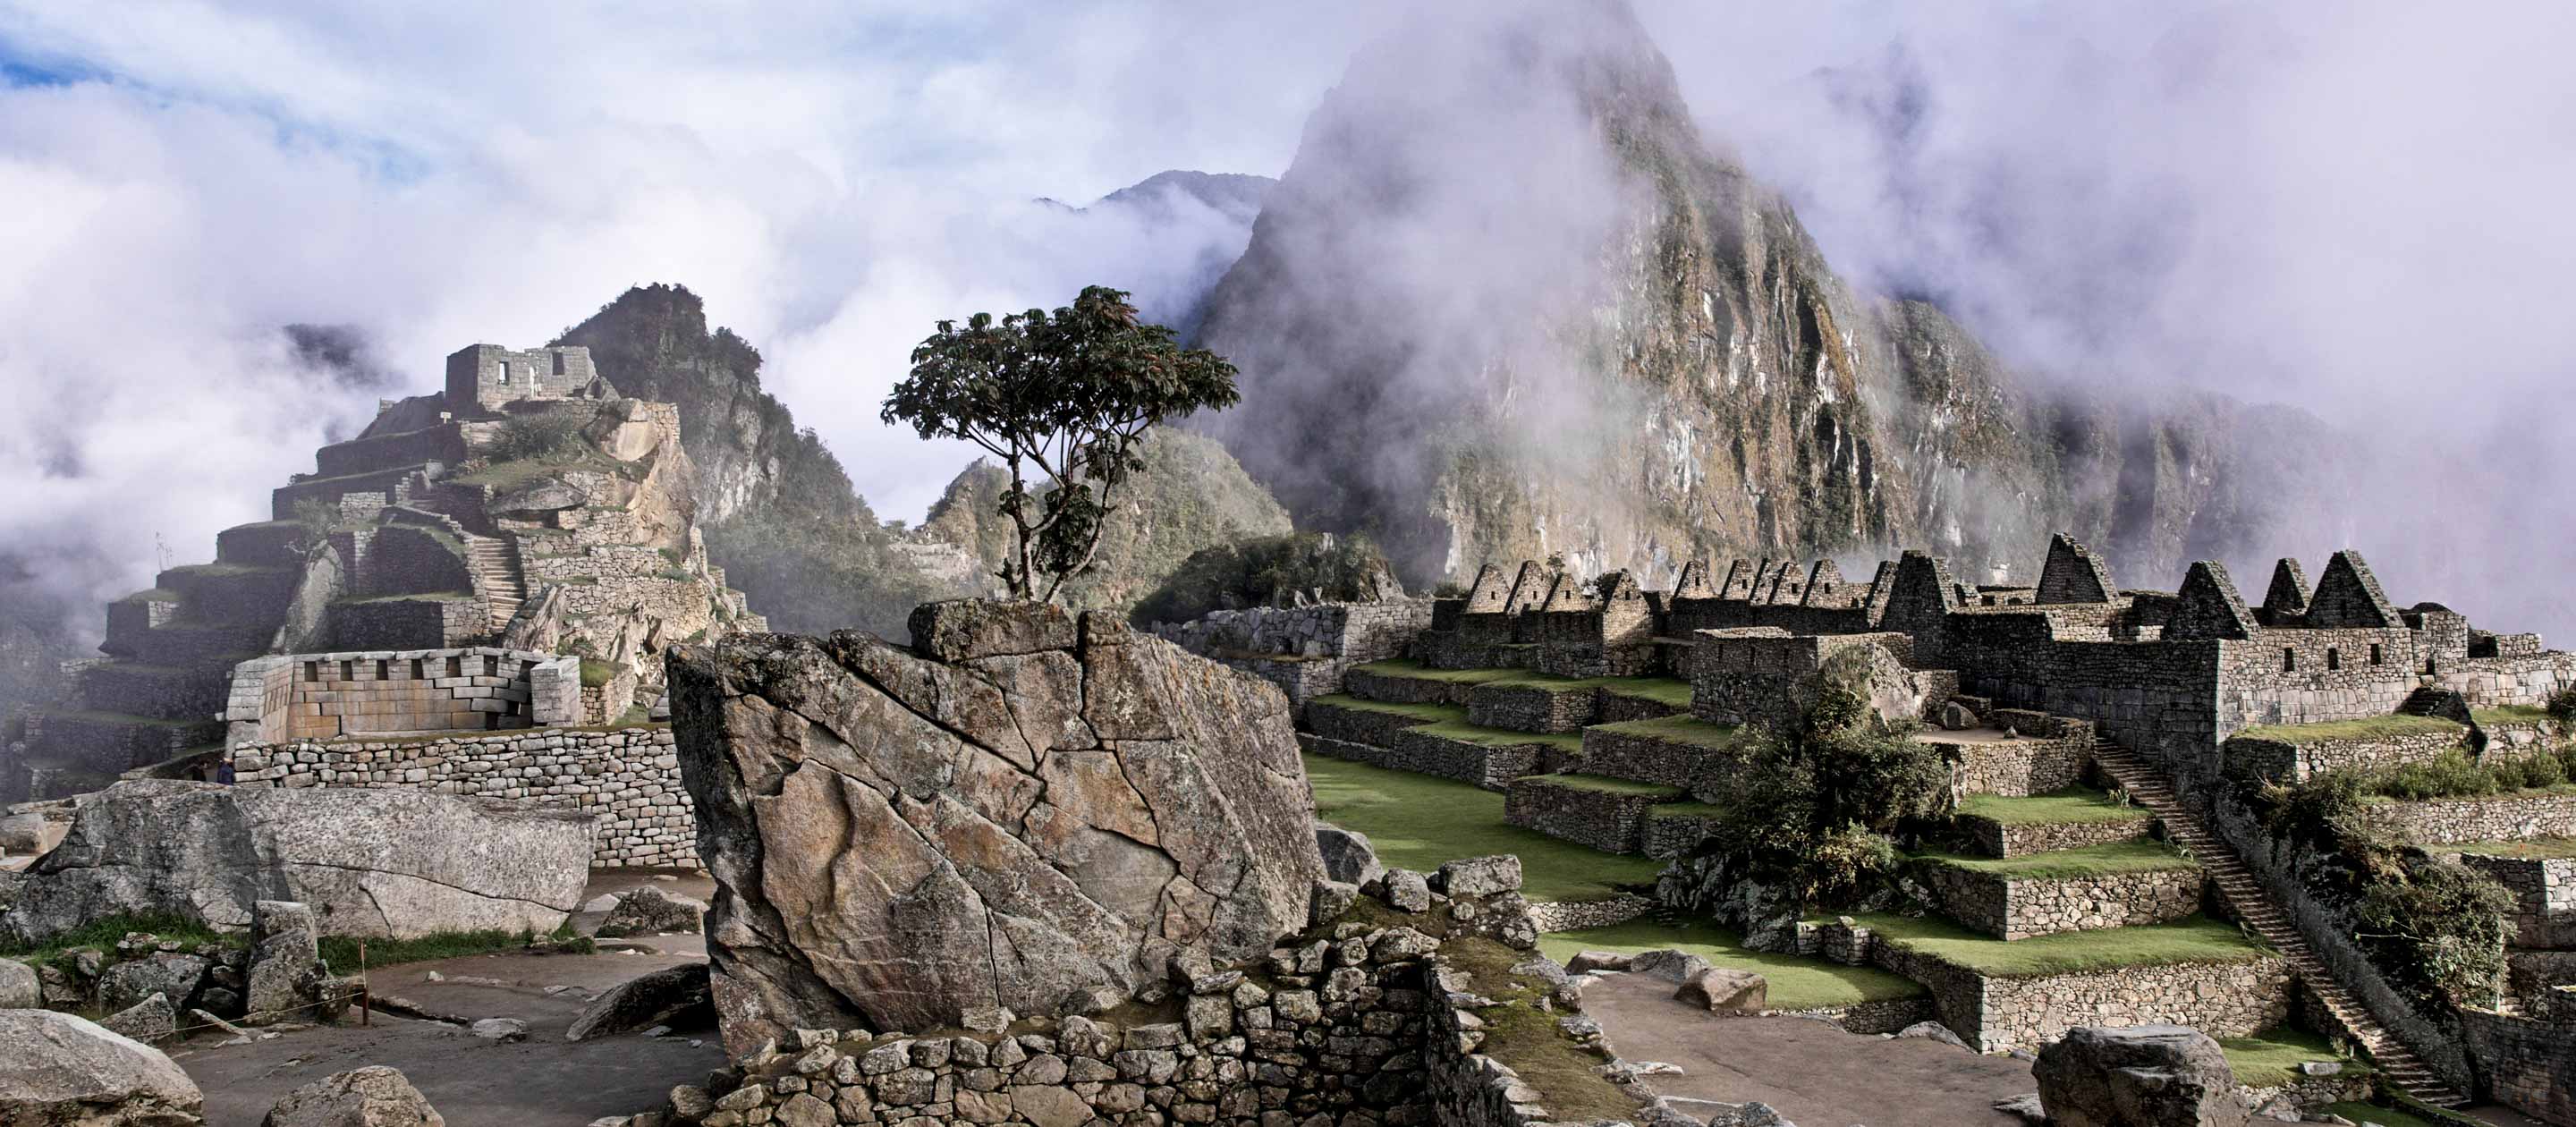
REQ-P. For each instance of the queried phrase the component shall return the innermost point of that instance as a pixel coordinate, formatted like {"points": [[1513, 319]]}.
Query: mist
{"points": [[2354, 209]]}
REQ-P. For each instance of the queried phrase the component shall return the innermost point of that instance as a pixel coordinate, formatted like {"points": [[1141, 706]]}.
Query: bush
{"points": [[2434, 928], [2543, 770], [544, 436], [2450, 775], [2562, 704]]}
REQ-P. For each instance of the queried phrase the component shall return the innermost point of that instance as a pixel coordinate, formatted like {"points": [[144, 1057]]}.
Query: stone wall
{"points": [[1628, 755], [2544, 892], [2020, 909], [325, 696], [1354, 1024], [2458, 821], [2528, 1064], [1667, 835], [2000, 1014], [1531, 708], [487, 376], [1306, 650], [1492, 768], [2016, 768], [2284, 761], [628, 778], [2491, 682], [403, 622], [1991, 838], [1590, 816]]}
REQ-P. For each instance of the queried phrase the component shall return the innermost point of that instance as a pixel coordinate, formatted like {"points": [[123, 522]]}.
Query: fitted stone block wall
{"points": [[1336, 721], [1608, 820], [485, 377], [1990, 838], [408, 560], [443, 443], [1994, 1015], [1667, 835], [2528, 679], [423, 622], [2544, 894], [2528, 1064], [2458, 821], [2019, 909], [1492, 768], [1739, 676], [1306, 650], [2305, 676], [2017, 768], [1397, 689], [1672, 763], [1532, 708], [628, 778], [325, 696], [2285, 761]]}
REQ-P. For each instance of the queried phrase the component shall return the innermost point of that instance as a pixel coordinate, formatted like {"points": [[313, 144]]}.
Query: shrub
{"points": [[2562, 704], [2543, 770], [544, 436], [2450, 775], [2434, 928]]}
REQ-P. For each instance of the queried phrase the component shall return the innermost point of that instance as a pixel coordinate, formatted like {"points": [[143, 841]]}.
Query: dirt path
{"points": [[1812, 1072], [544, 1081]]}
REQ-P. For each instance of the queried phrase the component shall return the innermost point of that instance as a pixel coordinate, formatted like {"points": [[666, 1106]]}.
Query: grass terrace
{"points": [[1464, 732], [2105, 860], [2063, 807], [1661, 690], [1678, 729], [1606, 785], [2536, 849], [2271, 1059], [2367, 728], [2195, 940], [2509, 714], [1797, 982], [1418, 822], [1406, 667], [1427, 713]]}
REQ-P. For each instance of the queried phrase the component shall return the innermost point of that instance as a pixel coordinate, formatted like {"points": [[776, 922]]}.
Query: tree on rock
{"points": [[1067, 394]]}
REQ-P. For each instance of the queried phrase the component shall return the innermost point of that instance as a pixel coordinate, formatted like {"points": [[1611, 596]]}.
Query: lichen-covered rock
{"points": [[1348, 856], [372, 862], [19, 987], [670, 996], [650, 911], [174, 976], [151, 1021], [2138, 1076], [899, 840], [375, 1096], [57, 1070]]}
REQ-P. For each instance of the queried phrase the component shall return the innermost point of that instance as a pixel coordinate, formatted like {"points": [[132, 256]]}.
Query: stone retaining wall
{"points": [[1867, 1019], [629, 778], [2544, 893], [1577, 915], [2456, 821], [1400, 689], [2000, 1014], [1672, 763], [1606, 820], [1307, 651], [2527, 1063], [1531, 708], [1492, 768], [1991, 838], [2284, 761], [1357, 725], [2020, 909], [2018, 768], [1667, 836]]}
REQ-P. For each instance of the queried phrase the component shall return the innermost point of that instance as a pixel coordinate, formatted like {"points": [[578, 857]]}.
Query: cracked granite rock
{"points": [[1014, 814], [373, 863]]}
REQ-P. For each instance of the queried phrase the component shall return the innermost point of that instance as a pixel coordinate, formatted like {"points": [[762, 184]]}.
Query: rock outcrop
{"points": [[374, 1096], [375, 863], [57, 1070], [2138, 1076], [676, 996], [650, 911], [1013, 815]]}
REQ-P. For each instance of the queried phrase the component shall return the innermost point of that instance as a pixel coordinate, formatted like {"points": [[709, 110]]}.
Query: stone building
{"points": [[526, 507]]}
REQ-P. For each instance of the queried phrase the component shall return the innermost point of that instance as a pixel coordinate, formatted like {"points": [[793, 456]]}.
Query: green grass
{"points": [[596, 673], [105, 932], [1606, 785], [342, 951], [1427, 713], [1681, 729], [1685, 810], [2367, 728], [1661, 690], [1415, 670], [2271, 1059], [1797, 983], [1464, 732], [2107, 859], [1418, 822], [2195, 940], [2511, 714], [2064, 807], [2537, 849], [1521, 1035]]}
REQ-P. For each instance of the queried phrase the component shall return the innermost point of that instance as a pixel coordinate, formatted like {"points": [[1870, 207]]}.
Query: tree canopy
{"points": [[1068, 394]]}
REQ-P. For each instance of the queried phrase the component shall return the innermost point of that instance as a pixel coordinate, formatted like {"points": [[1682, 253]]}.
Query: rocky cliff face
{"points": [[1191, 496], [1013, 815], [1516, 306]]}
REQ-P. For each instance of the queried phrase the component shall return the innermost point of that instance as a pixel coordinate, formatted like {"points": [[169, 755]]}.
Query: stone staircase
{"points": [[495, 564], [2244, 896]]}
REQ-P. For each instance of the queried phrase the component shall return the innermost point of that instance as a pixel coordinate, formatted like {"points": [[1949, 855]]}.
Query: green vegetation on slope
{"points": [[2536, 849], [1606, 785], [1427, 713], [1797, 982], [341, 951], [2107, 859], [104, 933], [2366, 728], [2271, 1059], [1501, 737], [2195, 940], [1419, 822], [1414, 670], [1681, 729], [2075, 805]]}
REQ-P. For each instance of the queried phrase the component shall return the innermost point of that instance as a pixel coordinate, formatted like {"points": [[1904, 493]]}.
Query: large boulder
{"points": [[2138, 1076], [19, 987], [650, 911], [374, 1096], [57, 1070], [675, 996], [287, 980], [1348, 855], [379, 863], [1014, 817]]}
